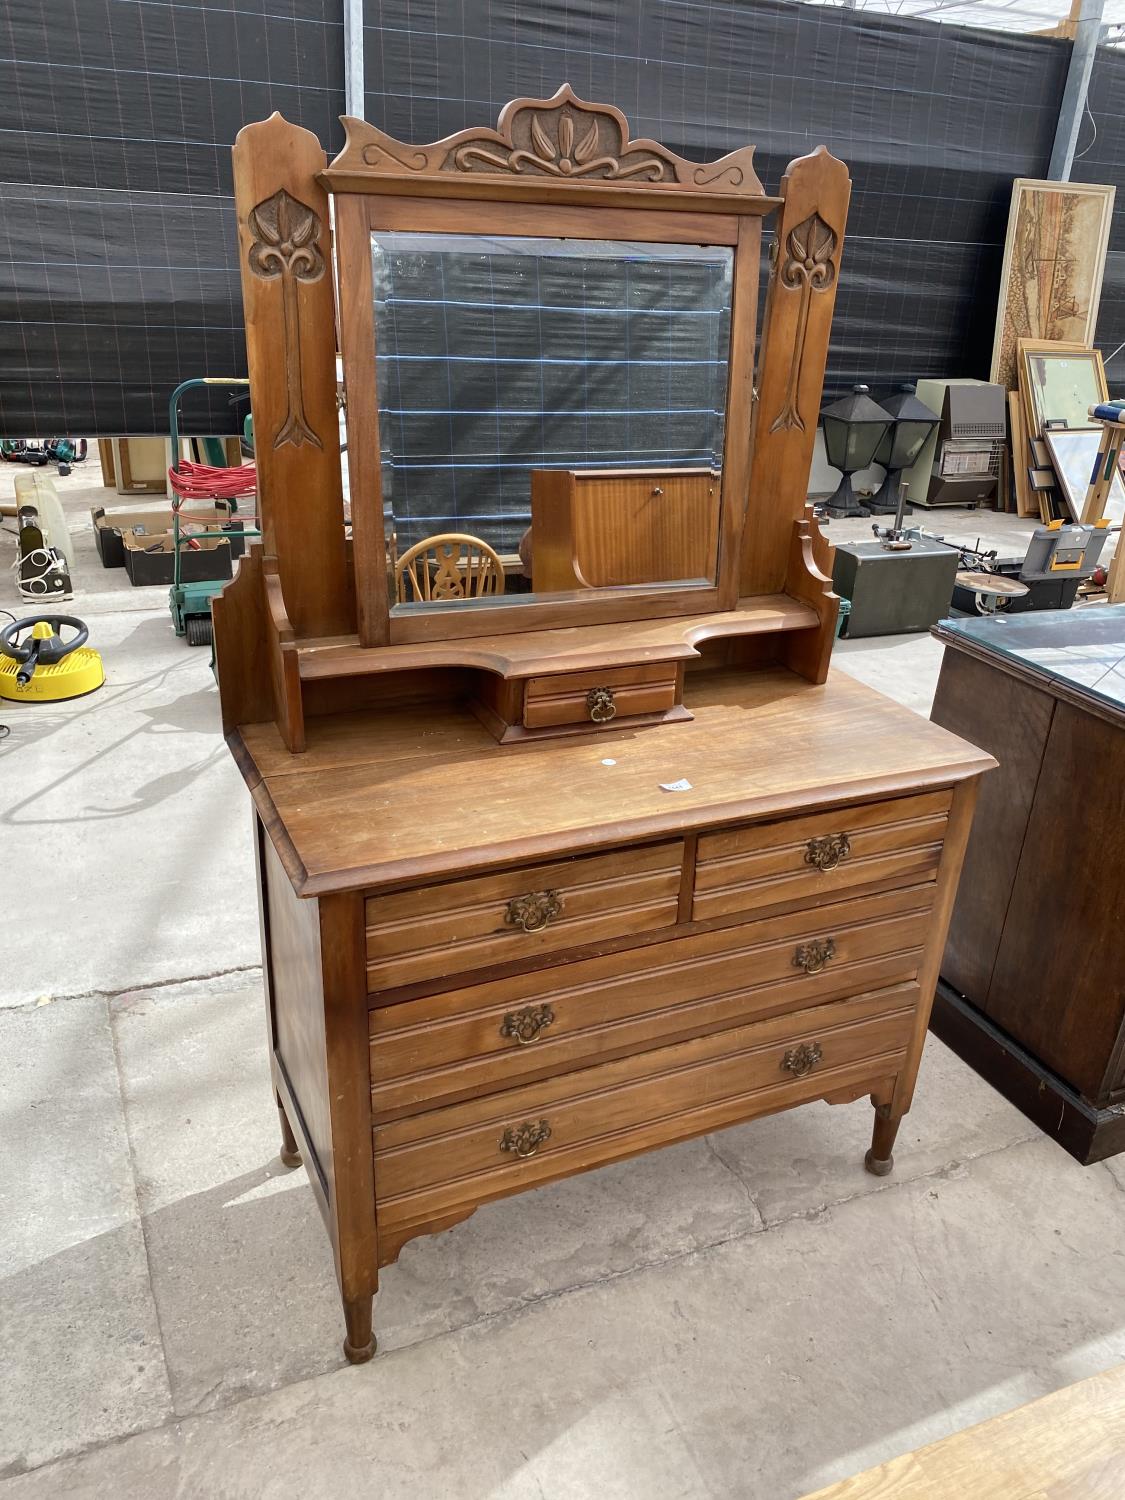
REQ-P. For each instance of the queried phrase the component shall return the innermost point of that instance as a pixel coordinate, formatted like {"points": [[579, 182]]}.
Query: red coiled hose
{"points": [[203, 482]]}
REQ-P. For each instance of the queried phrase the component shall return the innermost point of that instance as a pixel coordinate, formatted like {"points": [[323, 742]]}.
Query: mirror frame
{"points": [[554, 168]]}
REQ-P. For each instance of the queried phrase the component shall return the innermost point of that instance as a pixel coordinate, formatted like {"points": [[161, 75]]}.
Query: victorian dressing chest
{"points": [[569, 845]]}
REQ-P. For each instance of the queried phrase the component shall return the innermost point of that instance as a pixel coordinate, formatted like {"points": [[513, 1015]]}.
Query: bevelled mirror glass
{"points": [[550, 414]]}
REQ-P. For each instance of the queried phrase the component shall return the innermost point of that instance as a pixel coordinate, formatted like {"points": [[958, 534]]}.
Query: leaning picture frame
{"points": [[1060, 386], [1073, 455], [1054, 261]]}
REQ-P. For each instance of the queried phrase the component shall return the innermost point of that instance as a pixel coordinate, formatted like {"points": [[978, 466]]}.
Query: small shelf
{"points": [[539, 652]]}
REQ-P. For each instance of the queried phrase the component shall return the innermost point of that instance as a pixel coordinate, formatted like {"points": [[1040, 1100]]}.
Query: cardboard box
{"points": [[149, 558], [110, 524]]}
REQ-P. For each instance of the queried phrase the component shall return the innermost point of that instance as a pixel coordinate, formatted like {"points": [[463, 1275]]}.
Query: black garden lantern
{"points": [[901, 445], [853, 429]]}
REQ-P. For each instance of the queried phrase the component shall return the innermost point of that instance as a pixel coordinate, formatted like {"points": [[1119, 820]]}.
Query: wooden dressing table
{"points": [[550, 879]]}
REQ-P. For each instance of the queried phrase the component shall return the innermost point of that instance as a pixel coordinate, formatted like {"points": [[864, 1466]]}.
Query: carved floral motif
{"points": [[564, 142], [286, 246], [563, 137], [808, 267]]}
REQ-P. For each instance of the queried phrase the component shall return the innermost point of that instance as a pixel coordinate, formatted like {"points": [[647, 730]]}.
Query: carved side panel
{"points": [[804, 275], [808, 267], [290, 317], [286, 247]]}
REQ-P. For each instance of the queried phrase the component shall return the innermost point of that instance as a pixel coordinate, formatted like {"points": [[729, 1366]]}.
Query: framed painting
{"points": [[1061, 386], [1054, 259]]}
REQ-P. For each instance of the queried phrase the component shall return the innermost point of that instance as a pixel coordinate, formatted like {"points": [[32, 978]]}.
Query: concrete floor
{"points": [[748, 1315]]}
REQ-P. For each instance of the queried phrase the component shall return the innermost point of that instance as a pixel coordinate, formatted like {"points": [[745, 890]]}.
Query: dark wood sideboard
{"points": [[1032, 992]]}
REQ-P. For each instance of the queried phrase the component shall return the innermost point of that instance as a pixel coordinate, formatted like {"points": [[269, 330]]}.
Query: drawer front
{"points": [[801, 858], [599, 697], [493, 1036], [437, 930], [433, 1162]]}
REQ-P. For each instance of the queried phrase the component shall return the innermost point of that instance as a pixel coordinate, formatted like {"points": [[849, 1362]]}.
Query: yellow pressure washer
{"points": [[43, 668]]}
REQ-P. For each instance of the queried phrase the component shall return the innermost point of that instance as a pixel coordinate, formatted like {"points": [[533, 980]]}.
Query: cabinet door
{"points": [[645, 528], [1057, 986]]}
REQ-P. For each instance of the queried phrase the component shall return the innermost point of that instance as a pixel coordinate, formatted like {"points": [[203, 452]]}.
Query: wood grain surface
{"points": [[1066, 1446], [378, 800], [562, 647]]}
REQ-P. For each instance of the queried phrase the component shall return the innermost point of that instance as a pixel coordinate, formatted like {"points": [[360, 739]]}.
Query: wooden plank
{"points": [[365, 478], [798, 321], [1053, 986], [568, 647], [1014, 730], [1069, 1445], [1026, 502], [661, 224], [1088, 1133], [739, 424], [290, 312], [349, 1101], [293, 964]]}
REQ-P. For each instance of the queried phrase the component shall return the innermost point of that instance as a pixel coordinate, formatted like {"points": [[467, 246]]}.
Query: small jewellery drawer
{"points": [[495, 1035], [437, 930], [483, 1148], [739, 869], [599, 697]]}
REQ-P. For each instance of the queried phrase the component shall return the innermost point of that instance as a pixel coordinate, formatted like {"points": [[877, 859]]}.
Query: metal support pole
{"points": [[353, 57], [1087, 33]]}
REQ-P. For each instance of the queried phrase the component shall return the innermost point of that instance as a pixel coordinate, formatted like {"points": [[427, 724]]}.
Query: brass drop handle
{"points": [[526, 1026], [532, 912], [813, 956], [827, 852], [600, 705], [803, 1059], [524, 1140]]}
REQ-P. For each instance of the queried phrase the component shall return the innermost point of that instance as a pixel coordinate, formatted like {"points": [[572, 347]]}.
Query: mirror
{"points": [[551, 414]]}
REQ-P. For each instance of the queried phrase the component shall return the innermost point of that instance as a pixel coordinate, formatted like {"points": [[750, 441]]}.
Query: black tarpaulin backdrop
{"points": [[118, 248], [117, 240]]}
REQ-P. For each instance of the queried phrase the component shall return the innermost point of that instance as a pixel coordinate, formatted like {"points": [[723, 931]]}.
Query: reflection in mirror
{"points": [[550, 413]]}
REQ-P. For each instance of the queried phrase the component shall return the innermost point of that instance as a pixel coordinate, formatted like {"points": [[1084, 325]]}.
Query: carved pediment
{"points": [[562, 140]]}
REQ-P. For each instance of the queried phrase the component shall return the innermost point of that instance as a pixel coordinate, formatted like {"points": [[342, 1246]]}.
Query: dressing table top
{"points": [[426, 792]]}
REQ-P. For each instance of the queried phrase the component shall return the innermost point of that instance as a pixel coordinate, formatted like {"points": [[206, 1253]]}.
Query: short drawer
{"points": [[493, 1036], [438, 930], [599, 697], [739, 869], [431, 1163]]}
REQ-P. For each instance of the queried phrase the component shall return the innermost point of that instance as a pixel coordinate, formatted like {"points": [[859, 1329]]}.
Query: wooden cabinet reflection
{"points": [[601, 528]]}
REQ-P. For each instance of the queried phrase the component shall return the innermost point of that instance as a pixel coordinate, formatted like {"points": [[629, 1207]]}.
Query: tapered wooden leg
{"points": [[879, 1160], [359, 1345], [290, 1154]]}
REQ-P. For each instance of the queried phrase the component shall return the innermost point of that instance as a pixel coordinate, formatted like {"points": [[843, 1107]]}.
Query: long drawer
{"points": [[740, 869], [460, 925], [433, 1162], [494, 1035]]}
